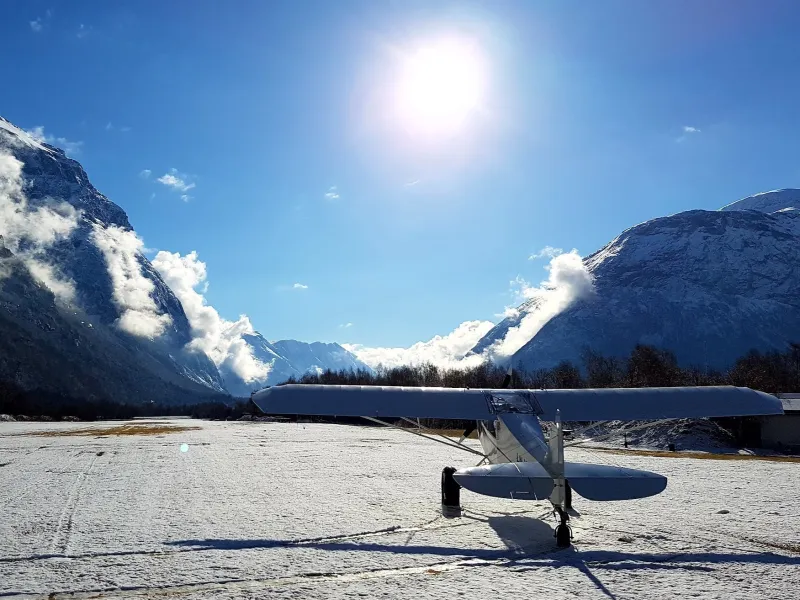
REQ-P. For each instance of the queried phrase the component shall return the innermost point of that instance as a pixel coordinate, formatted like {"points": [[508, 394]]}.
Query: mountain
{"points": [[85, 313], [290, 358], [707, 285], [83, 310], [768, 202], [318, 356]]}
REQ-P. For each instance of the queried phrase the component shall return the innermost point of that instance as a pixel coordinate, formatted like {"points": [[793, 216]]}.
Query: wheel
{"points": [[563, 536], [451, 494]]}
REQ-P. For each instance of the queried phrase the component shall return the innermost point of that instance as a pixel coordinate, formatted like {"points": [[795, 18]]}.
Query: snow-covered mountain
{"points": [[290, 358], [768, 202], [84, 312], [77, 288], [708, 285]]}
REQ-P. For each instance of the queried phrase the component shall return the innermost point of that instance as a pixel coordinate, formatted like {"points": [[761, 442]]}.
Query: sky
{"points": [[380, 172]]}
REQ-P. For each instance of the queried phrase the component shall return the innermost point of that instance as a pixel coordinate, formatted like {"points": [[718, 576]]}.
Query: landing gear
{"points": [[567, 496], [451, 494], [563, 533]]}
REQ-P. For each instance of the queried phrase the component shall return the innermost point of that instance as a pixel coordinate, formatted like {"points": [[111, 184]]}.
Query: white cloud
{"points": [[125, 129], [509, 312], [28, 231], [51, 278], [412, 183], [332, 193], [109, 126], [83, 31], [569, 280], [445, 351], [546, 252], [177, 181], [687, 131], [36, 25], [185, 198], [132, 291], [145, 173], [346, 325], [220, 339], [299, 286], [69, 148]]}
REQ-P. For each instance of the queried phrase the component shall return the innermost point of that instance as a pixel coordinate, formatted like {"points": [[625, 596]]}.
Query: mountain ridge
{"points": [[73, 253], [707, 285]]}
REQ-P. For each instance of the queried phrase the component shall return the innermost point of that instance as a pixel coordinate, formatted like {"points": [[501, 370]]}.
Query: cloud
{"points": [[346, 325], [175, 180], [145, 173], [51, 278], [125, 129], [28, 231], [220, 339], [69, 148], [332, 193], [508, 312], [37, 25], [411, 183], [109, 126], [299, 286], [83, 31], [446, 351], [186, 198], [687, 131], [546, 252], [568, 281], [132, 291]]}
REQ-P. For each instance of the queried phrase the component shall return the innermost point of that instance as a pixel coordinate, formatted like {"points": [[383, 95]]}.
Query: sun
{"points": [[440, 86]]}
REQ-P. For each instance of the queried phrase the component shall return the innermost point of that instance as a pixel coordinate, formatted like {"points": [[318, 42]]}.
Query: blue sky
{"points": [[594, 116]]}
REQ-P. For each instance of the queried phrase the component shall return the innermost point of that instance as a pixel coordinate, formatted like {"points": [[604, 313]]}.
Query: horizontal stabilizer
{"points": [[604, 482], [517, 481], [486, 404]]}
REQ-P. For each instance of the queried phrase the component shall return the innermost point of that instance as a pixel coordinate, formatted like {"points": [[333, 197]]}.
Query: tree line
{"points": [[646, 366], [36, 404]]}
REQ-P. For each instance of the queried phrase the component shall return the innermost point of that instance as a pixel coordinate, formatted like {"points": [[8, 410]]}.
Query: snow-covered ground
{"points": [[256, 510]]}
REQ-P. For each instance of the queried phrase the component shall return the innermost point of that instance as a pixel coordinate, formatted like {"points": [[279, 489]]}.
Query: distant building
{"points": [[782, 432]]}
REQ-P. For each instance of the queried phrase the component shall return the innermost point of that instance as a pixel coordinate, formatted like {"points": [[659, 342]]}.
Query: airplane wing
{"points": [[612, 404]]}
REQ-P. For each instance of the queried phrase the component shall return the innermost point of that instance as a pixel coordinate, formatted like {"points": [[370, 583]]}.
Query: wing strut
{"points": [[444, 440]]}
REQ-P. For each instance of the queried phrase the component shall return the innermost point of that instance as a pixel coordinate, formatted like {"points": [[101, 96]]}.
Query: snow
{"points": [[23, 136], [768, 202], [324, 511]]}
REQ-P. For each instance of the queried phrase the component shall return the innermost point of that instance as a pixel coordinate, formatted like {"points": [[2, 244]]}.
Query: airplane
{"points": [[519, 461]]}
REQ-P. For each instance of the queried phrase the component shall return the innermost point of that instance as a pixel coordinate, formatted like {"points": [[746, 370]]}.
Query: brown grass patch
{"points": [[127, 429], [454, 433], [701, 455]]}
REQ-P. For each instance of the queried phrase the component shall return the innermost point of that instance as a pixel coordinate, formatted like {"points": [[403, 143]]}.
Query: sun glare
{"points": [[440, 86]]}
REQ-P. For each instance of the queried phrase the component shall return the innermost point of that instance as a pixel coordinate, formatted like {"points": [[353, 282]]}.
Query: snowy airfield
{"points": [[256, 510]]}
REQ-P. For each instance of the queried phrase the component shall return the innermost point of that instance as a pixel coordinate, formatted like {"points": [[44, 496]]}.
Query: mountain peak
{"points": [[768, 202]]}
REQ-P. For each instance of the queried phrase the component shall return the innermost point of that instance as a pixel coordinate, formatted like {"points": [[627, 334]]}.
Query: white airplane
{"points": [[518, 461]]}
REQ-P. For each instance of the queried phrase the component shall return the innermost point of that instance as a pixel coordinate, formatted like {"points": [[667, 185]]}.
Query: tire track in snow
{"points": [[346, 537], [256, 585], [14, 496], [63, 533]]}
